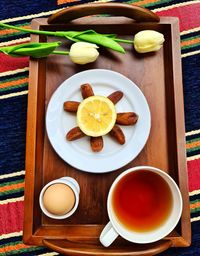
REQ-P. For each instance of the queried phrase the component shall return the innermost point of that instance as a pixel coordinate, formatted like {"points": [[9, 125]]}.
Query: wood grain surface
{"points": [[118, 9], [159, 77]]}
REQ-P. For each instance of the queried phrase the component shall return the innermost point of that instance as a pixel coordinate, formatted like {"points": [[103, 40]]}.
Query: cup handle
{"points": [[108, 235]]}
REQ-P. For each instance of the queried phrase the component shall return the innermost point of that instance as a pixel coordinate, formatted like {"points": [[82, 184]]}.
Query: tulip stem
{"points": [[93, 37], [51, 33], [123, 40], [31, 31], [60, 52]]}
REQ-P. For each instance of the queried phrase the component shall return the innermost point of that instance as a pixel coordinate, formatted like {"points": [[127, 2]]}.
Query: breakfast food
{"points": [[118, 134], [86, 91], [96, 116], [74, 134], [126, 118], [115, 96], [96, 143], [58, 199], [71, 106]]}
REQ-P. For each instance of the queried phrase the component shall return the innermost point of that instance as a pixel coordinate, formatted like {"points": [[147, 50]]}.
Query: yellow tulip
{"points": [[83, 53], [148, 41]]}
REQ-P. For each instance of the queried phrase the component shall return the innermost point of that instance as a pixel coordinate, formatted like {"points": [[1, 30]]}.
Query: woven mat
{"points": [[13, 107]]}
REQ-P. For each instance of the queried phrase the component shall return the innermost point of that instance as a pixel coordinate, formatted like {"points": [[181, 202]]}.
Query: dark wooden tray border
{"points": [[31, 146]]}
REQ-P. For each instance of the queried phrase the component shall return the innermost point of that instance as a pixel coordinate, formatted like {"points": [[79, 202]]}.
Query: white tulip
{"points": [[83, 53], [148, 41]]}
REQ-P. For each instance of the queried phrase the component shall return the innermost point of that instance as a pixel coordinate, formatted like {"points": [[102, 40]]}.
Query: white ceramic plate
{"points": [[78, 153]]}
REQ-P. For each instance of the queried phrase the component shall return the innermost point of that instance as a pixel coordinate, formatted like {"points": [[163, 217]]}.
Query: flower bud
{"points": [[83, 53], [148, 41]]}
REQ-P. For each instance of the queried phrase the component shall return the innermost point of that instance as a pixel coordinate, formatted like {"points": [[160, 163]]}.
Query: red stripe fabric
{"points": [[194, 174], [8, 63], [189, 15], [11, 217]]}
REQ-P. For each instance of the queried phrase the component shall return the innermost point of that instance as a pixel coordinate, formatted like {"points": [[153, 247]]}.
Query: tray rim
{"points": [[31, 238]]}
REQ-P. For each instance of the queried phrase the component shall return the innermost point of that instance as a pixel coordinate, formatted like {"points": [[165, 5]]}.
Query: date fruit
{"points": [[118, 134], [74, 134], [96, 143], [115, 96], [127, 118], [71, 106], [86, 91]]}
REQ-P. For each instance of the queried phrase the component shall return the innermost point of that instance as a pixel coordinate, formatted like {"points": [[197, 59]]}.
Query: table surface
{"points": [[13, 110]]}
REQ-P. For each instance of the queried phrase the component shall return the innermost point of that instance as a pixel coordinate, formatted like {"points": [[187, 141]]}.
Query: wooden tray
{"points": [[159, 77]]}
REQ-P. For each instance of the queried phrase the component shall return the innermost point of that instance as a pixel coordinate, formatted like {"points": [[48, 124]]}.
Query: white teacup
{"points": [[115, 227], [73, 184]]}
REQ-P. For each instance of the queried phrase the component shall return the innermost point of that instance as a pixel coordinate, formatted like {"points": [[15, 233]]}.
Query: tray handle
{"points": [[131, 11], [66, 247]]}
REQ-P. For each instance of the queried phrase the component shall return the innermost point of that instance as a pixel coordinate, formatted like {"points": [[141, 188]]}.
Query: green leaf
{"points": [[106, 40], [36, 50], [92, 37]]}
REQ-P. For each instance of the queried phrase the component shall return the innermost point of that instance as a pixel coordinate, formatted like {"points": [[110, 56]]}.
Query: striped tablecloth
{"points": [[13, 108]]}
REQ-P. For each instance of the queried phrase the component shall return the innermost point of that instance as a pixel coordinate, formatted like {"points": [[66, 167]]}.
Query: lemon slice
{"points": [[96, 116]]}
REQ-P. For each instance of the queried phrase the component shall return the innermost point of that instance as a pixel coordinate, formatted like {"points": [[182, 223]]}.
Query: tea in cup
{"points": [[59, 198], [144, 205]]}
